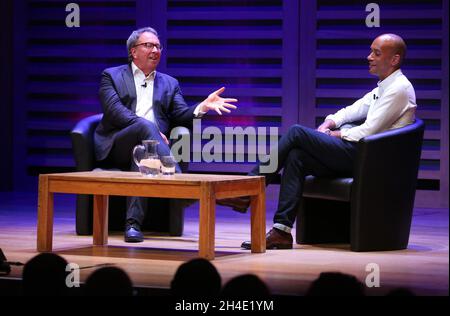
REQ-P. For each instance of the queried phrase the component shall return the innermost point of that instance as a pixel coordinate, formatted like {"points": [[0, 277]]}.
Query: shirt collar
{"points": [[390, 79], [137, 72]]}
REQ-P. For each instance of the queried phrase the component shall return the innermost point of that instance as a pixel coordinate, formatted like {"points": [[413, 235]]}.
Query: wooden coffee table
{"points": [[101, 184]]}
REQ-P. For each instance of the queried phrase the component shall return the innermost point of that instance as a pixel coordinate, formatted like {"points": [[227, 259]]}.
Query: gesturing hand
{"points": [[217, 103]]}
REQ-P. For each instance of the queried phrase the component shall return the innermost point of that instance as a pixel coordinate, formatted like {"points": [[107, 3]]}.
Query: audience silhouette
{"points": [[45, 275], [400, 292], [197, 278], [246, 285], [108, 281], [336, 284]]}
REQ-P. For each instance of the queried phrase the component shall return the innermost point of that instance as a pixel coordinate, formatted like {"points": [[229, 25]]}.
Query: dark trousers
{"points": [[301, 152], [121, 154]]}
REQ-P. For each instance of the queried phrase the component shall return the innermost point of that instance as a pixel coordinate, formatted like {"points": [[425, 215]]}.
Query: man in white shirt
{"points": [[140, 103], [330, 150]]}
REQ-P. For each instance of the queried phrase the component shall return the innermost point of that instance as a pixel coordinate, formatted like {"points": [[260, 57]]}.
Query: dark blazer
{"points": [[118, 99]]}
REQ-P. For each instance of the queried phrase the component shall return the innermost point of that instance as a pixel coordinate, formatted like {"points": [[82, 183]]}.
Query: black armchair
{"points": [[163, 215], [372, 210]]}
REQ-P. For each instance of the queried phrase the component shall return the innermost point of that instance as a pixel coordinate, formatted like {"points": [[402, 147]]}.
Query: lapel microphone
{"points": [[144, 85]]}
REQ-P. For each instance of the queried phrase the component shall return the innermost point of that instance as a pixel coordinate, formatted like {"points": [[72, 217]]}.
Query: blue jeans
{"points": [[301, 152]]}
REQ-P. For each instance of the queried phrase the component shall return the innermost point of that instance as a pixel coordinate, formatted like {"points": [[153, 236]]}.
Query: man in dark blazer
{"points": [[139, 103]]}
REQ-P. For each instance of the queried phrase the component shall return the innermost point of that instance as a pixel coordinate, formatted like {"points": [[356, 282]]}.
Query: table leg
{"points": [[258, 219], [45, 216], [207, 222], [100, 231]]}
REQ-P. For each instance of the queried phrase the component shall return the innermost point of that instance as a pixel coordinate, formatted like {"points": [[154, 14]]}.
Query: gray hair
{"points": [[134, 38]]}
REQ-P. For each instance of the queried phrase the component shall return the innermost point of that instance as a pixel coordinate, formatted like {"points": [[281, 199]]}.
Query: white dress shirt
{"points": [[391, 105], [144, 95]]}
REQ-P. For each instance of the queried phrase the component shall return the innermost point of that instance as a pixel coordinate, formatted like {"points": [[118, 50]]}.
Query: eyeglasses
{"points": [[150, 46]]}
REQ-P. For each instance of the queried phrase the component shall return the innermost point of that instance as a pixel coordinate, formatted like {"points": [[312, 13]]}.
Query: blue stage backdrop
{"points": [[6, 79], [286, 61]]}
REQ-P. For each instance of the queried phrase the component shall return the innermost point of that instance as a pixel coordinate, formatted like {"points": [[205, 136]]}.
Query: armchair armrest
{"points": [[82, 136]]}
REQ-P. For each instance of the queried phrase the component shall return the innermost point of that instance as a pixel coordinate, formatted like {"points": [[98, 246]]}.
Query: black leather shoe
{"points": [[239, 204], [275, 239], [133, 233]]}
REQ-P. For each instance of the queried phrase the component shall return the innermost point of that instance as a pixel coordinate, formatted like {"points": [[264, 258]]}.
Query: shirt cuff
{"points": [[197, 112], [344, 132]]}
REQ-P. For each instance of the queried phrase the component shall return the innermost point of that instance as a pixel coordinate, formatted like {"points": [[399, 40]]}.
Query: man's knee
{"points": [[296, 128], [146, 129], [301, 133]]}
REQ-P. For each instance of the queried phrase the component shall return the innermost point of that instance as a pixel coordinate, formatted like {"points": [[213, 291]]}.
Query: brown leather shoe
{"points": [[239, 204], [275, 239]]}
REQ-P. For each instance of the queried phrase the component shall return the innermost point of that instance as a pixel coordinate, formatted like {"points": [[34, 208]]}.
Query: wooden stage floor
{"points": [[422, 268]]}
